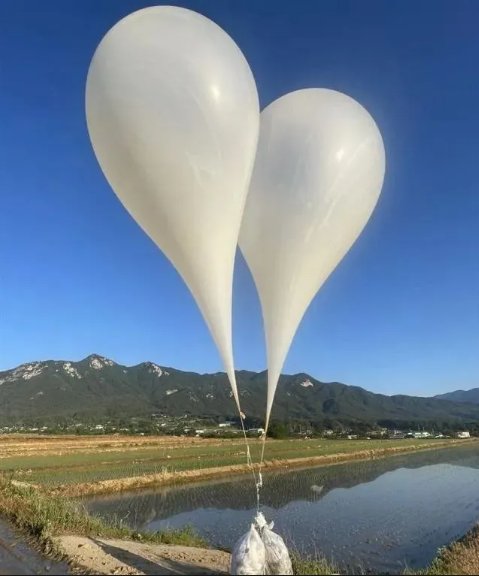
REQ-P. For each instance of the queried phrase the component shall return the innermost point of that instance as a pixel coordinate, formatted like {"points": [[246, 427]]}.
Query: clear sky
{"points": [[400, 314]]}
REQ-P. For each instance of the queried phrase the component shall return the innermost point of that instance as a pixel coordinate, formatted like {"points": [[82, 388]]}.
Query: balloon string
{"points": [[249, 460], [259, 484]]}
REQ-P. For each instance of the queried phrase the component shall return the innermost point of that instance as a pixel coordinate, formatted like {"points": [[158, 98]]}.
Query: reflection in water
{"points": [[380, 514]]}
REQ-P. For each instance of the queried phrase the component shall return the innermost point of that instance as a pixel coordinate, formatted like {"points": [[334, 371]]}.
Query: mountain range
{"points": [[97, 387], [465, 396]]}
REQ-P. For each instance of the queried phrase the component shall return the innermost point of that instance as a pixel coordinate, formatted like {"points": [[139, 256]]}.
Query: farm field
{"points": [[60, 467], [69, 460]]}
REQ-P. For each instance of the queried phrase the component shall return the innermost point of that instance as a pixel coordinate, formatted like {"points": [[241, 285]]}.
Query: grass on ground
{"points": [[44, 517], [461, 557], [313, 566]]}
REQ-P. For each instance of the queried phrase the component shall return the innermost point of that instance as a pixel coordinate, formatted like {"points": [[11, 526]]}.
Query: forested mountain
{"points": [[97, 387]]}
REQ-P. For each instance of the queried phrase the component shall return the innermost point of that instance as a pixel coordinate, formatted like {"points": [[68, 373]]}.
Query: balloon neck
{"points": [[238, 405], [273, 379], [266, 426]]}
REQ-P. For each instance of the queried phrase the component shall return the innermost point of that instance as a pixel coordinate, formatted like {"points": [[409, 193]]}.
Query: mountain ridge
{"points": [[463, 396], [99, 387]]}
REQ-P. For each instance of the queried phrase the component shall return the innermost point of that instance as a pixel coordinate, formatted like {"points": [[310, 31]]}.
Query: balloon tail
{"points": [[226, 355], [259, 484], [249, 460]]}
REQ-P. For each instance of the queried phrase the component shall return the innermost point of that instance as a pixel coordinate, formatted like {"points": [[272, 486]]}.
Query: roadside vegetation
{"points": [[43, 517]]}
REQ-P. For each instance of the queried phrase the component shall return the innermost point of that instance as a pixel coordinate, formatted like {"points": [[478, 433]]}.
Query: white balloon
{"points": [[173, 115], [318, 174]]}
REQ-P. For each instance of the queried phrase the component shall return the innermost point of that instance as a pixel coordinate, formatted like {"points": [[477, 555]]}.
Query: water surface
{"points": [[16, 557], [381, 515]]}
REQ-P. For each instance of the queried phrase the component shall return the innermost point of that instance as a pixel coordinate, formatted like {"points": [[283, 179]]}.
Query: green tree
{"points": [[278, 430]]}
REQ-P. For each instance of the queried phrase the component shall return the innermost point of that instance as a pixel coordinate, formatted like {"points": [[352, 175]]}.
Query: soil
{"points": [[100, 556]]}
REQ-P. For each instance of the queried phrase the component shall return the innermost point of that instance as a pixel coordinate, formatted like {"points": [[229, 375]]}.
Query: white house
{"points": [[421, 434], [463, 434]]}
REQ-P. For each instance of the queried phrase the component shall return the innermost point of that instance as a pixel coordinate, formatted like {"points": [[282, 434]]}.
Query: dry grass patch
{"points": [[461, 557]]}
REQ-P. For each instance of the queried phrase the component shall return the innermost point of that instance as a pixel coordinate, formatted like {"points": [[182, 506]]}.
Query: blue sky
{"points": [[399, 315]]}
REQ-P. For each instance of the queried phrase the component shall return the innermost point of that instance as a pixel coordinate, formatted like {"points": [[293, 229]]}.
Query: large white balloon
{"points": [[173, 115], [318, 174]]}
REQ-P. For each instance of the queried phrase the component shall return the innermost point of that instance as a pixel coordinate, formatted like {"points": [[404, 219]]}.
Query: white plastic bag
{"points": [[248, 556], [277, 556]]}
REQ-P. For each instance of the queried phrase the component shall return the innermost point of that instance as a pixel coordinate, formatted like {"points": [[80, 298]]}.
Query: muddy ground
{"points": [[16, 557]]}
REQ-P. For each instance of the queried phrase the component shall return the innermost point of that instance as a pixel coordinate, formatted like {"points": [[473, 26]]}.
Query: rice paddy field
{"points": [[71, 460], [385, 512]]}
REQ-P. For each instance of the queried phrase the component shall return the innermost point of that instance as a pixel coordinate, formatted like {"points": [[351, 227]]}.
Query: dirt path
{"points": [[16, 557], [101, 556]]}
